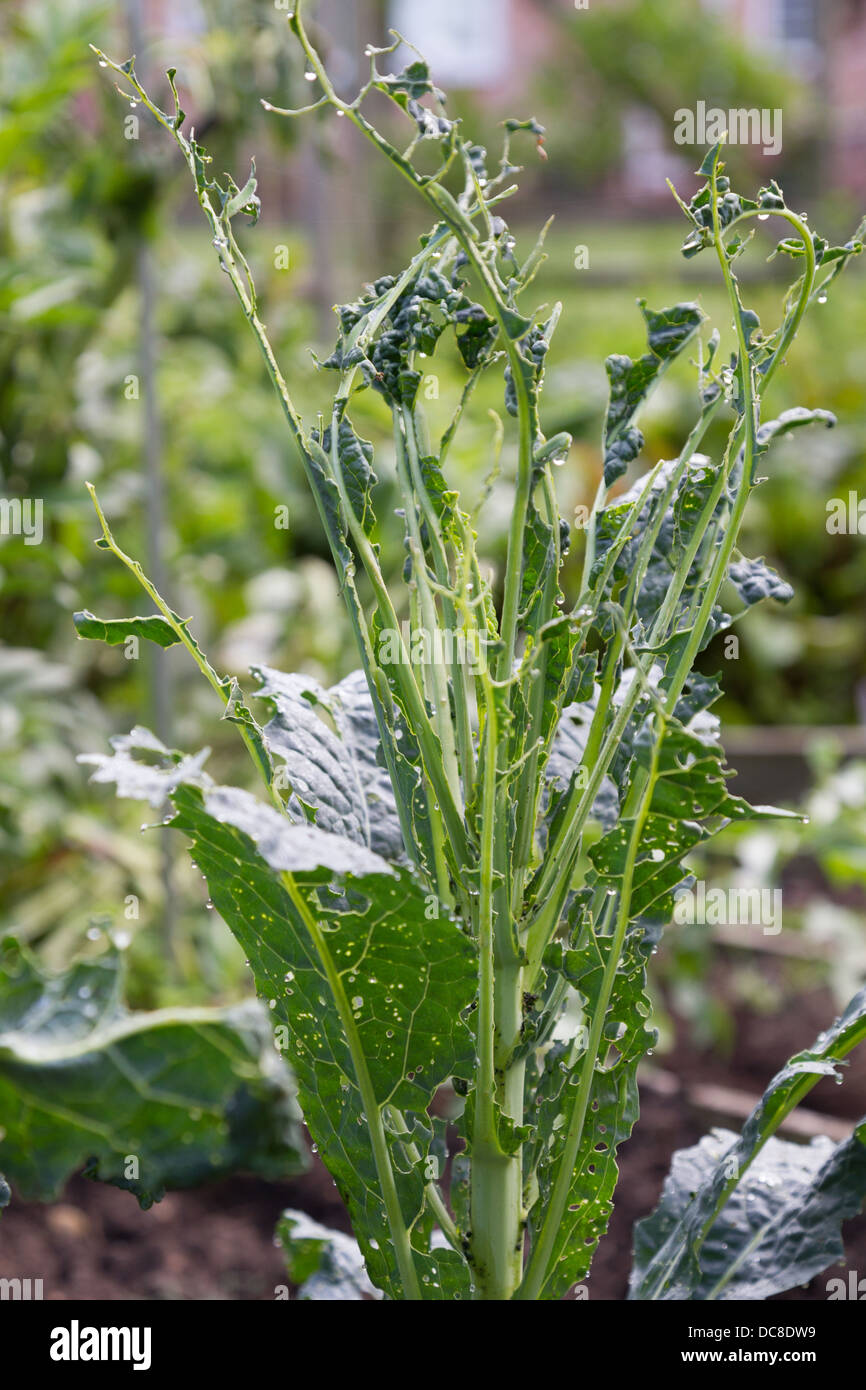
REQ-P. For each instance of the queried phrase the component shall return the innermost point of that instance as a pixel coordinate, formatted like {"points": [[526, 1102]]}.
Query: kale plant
{"points": [[467, 850]]}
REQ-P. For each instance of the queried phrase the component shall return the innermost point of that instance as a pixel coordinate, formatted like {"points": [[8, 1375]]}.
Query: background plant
{"points": [[817, 863]]}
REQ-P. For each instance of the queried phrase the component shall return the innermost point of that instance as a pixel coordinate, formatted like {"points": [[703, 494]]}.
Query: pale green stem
{"points": [[495, 1200]]}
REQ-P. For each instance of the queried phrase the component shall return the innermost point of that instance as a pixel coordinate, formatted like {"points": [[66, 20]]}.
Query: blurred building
{"points": [[824, 41], [487, 44], [847, 97]]}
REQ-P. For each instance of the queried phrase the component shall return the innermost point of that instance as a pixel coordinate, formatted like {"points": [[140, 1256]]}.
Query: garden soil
{"points": [[217, 1242]]}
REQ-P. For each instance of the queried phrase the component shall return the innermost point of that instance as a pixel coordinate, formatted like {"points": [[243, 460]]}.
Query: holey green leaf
{"points": [[690, 796], [115, 632], [368, 983], [681, 1251], [406, 978], [562, 1086], [145, 1101], [669, 331]]}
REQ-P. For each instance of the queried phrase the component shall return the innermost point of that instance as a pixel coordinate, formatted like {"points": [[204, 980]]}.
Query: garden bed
{"points": [[217, 1242]]}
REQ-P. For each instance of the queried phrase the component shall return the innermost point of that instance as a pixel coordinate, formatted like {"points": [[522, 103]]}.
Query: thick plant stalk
{"points": [[496, 1174]]}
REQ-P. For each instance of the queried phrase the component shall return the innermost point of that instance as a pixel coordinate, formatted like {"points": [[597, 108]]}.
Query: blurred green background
{"points": [[124, 360]]}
